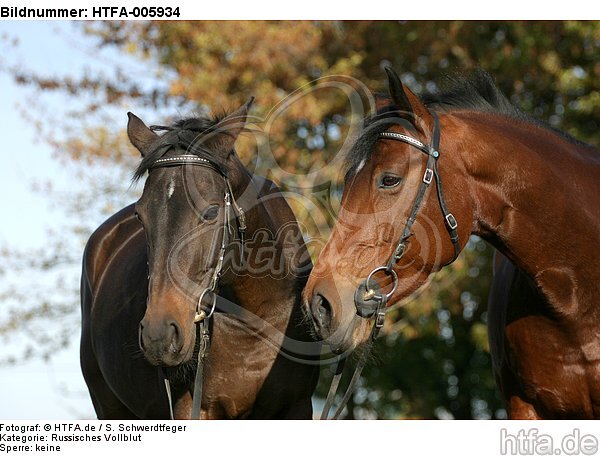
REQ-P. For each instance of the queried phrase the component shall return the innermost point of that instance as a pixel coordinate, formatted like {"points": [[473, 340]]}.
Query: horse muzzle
{"points": [[162, 343]]}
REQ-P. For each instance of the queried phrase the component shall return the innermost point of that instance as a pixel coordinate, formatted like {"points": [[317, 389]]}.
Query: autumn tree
{"points": [[433, 360]]}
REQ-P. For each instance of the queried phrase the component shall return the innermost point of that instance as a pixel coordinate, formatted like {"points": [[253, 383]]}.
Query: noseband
{"points": [[368, 297], [203, 316]]}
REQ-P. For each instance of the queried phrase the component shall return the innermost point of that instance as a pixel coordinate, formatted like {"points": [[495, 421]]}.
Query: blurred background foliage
{"points": [[433, 358]]}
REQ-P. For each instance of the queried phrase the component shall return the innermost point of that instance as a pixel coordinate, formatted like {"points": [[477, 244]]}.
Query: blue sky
{"points": [[19, 170], [37, 389], [34, 389]]}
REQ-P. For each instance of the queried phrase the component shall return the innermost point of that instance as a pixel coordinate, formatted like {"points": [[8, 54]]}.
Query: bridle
{"points": [[369, 299], [203, 315]]}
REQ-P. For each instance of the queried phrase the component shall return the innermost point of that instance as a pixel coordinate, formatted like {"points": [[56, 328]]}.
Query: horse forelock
{"points": [[185, 137]]}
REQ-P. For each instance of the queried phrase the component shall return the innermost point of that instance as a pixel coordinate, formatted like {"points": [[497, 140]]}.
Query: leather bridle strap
{"points": [[431, 173], [335, 383], [169, 395], [202, 318], [377, 325], [204, 330]]}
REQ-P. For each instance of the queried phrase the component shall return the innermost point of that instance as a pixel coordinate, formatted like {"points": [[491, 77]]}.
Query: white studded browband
{"points": [[180, 158], [401, 137]]}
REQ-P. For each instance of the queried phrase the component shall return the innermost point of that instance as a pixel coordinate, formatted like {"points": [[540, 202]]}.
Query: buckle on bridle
{"points": [[399, 251], [428, 177], [380, 320], [452, 223]]}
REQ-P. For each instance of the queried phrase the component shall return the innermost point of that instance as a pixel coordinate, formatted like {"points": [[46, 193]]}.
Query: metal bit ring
{"points": [[388, 272]]}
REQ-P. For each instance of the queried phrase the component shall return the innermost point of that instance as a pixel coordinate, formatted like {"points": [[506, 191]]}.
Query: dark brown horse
{"points": [[145, 268], [529, 190]]}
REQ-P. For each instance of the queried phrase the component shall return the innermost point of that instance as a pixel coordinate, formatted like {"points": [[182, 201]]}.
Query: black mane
{"points": [[476, 92], [182, 135]]}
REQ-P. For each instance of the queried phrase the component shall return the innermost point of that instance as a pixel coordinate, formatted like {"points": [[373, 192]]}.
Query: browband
{"points": [[187, 159]]}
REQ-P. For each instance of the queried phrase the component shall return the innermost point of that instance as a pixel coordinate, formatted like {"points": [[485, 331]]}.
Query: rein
{"points": [[369, 299], [203, 316]]}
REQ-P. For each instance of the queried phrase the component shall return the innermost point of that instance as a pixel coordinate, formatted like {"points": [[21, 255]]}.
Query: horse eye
{"points": [[137, 216], [211, 212], [389, 181]]}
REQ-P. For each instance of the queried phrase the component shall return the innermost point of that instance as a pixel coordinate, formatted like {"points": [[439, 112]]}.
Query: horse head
{"points": [[188, 211], [392, 231]]}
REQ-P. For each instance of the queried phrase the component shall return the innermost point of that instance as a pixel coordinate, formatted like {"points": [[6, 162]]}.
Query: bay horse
{"points": [[147, 269], [529, 190]]}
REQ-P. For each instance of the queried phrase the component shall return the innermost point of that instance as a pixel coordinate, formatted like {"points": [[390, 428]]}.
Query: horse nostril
{"points": [[321, 310], [176, 339], [141, 337]]}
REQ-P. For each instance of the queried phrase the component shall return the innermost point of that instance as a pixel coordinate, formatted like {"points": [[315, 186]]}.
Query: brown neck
{"points": [[534, 195], [265, 285]]}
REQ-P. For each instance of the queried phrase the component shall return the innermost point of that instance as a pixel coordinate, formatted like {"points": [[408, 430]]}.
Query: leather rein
{"points": [[368, 298], [204, 314]]}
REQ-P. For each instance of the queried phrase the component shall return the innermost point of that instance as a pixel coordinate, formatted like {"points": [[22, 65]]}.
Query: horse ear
{"points": [[405, 100], [139, 134], [227, 130]]}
